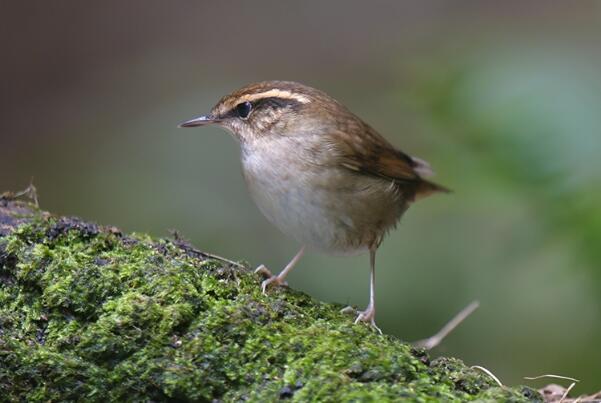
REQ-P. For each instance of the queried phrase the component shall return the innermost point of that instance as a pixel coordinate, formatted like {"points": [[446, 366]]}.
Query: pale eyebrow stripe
{"points": [[275, 93]]}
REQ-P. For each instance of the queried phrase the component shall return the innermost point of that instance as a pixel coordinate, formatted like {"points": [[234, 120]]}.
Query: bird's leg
{"points": [[369, 314], [279, 279]]}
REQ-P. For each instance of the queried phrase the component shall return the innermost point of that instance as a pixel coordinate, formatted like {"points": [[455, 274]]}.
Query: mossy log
{"points": [[90, 313]]}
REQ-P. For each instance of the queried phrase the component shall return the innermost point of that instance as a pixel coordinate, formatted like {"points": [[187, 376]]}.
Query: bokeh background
{"points": [[503, 98]]}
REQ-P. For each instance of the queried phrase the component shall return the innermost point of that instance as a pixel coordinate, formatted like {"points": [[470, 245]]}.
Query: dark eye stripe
{"points": [[276, 103], [243, 109]]}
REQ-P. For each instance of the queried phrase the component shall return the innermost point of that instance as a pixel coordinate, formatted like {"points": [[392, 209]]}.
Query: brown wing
{"points": [[372, 154]]}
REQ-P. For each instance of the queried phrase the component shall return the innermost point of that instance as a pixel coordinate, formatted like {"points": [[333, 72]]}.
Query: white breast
{"points": [[323, 208]]}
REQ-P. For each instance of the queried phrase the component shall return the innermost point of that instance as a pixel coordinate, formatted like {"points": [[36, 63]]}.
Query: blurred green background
{"points": [[503, 99]]}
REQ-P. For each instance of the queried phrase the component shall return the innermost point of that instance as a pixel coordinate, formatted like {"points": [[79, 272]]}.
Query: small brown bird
{"points": [[318, 172]]}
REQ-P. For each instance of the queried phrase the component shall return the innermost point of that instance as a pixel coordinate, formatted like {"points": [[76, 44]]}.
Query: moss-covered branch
{"points": [[89, 313]]}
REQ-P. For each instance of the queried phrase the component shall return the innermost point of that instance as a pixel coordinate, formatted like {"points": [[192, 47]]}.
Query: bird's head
{"points": [[268, 108]]}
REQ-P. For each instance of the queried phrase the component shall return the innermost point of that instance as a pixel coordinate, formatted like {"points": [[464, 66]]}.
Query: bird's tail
{"points": [[426, 188]]}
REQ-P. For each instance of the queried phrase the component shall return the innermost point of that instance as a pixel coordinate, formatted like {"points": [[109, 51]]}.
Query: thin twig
{"points": [[565, 394], [487, 372], [181, 241], [216, 257], [533, 378], [435, 340], [31, 192]]}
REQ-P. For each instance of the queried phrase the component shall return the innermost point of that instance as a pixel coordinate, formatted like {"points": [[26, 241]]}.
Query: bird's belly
{"points": [[327, 210]]}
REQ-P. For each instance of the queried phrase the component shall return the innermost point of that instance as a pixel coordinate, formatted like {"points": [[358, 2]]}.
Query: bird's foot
{"points": [[270, 279], [368, 316]]}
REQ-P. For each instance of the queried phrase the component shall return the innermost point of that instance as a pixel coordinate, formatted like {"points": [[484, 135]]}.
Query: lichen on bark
{"points": [[89, 313]]}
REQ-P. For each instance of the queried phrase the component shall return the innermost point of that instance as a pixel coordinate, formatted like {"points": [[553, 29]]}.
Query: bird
{"points": [[319, 173]]}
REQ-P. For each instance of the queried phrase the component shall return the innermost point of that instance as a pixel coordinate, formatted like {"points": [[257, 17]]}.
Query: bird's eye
{"points": [[243, 109]]}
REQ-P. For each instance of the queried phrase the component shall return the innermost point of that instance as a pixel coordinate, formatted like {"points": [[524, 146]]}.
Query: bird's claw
{"points": [[264, 271], [368, 316], [270, 279]]}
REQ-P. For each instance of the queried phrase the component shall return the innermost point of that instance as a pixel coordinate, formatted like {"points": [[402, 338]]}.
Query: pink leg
{"points": [[280, 278], [369, 314]]}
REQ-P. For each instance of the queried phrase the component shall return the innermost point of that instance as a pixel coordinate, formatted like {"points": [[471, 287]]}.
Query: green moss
{"points": [[87, 312]]}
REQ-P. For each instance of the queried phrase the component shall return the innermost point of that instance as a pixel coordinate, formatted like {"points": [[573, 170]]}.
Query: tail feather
{"points": [[426, 188]]}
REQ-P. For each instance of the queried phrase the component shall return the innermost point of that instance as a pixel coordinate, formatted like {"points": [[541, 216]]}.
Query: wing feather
{"points": [[371, 154]]}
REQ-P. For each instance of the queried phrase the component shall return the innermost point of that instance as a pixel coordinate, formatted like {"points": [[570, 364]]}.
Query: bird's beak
{"points": [[199, 121]]}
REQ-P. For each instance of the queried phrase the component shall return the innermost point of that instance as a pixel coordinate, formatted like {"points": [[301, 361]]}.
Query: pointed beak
{"points": [[199, 121]]}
